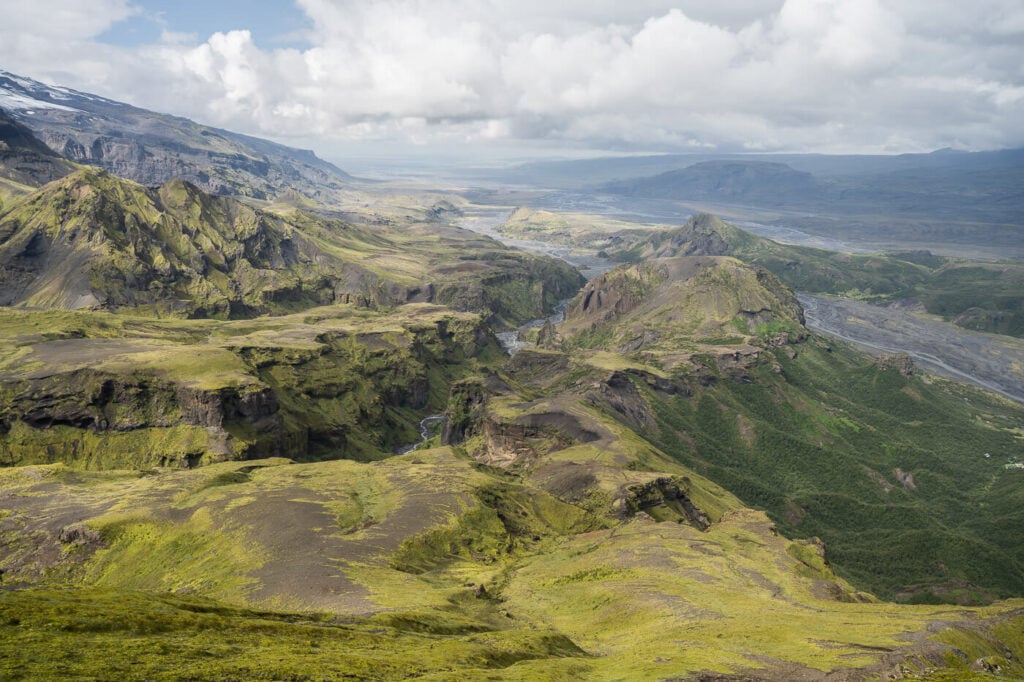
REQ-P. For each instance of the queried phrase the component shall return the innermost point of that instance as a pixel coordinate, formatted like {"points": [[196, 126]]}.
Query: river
{"points": [[990, 361]]}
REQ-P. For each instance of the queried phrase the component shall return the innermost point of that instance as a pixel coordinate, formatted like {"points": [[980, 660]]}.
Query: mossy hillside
{"points": [[976, 295], [412, 539], [49, 634], [561, 597], [94, 240], [667, 307], [109, 241], [575, 435], [238, 530], [337, 382], [729, 599], [889, 470]]}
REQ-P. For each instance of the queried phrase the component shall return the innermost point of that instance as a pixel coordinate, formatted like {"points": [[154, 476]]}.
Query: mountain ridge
{"points": [[153, 148], [94, 240]]}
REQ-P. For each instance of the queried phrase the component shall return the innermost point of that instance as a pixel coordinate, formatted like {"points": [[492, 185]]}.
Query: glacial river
{"points": [[990, 361]]}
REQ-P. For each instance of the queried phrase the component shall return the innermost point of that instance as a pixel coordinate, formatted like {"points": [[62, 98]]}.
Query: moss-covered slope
{"points": [[94, 240], [673, 306], [102, 391], [975, 295]]}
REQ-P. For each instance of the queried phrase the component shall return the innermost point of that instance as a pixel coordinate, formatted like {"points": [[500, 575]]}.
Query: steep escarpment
{"points": [[103, 420], [323, 387], [24, 160]]}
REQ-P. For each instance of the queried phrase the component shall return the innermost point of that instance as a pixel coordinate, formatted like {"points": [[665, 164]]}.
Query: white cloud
{"points": [[757, 74]]}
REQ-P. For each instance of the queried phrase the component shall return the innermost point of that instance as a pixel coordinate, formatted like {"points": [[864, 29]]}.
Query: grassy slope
{"points": [[904, 477], [402, 546], [92, 239], [447, 568], [819, 446]]}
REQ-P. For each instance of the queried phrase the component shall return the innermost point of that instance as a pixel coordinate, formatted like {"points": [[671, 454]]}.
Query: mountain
{"points": [[589, 173], [285, 443], [582, 504], [92, 240], [967, 193], [959, 202], [750, 182], [24, 160], [674, 305], [152, 148], [976, 295]]}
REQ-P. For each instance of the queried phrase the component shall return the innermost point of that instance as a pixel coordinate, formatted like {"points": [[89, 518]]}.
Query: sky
{"points": [[548, 76]]}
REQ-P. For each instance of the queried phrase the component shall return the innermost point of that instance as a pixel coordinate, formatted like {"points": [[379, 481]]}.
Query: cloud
{"points": [[822, 75]]}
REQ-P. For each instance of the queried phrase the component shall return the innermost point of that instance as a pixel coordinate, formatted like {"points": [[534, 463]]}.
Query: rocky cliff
{"points": [[24, 160], [327, 386]]}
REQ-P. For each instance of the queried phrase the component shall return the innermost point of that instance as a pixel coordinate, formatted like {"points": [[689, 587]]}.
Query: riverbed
{"points": [[991, 361]]}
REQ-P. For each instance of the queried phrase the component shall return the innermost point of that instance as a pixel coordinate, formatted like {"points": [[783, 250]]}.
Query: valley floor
{"points": [[993, 362]]}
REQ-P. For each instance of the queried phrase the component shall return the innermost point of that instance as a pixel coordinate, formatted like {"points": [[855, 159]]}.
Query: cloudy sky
{"points": [[645, 75]]}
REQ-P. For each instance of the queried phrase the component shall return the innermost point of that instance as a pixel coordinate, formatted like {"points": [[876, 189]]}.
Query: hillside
{"points": [[712, 364], [569, 518], [550, 536], [976, 295], [279, 438], [92, 240], [152, 148], [674, 305]]}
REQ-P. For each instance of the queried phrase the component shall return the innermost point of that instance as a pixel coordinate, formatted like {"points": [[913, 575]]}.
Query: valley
{"points": [[993, 362], [260, 419], [990, 361]]}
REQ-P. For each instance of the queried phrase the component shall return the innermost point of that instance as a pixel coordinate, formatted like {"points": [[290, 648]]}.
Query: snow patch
{"points": [[19, 102]]}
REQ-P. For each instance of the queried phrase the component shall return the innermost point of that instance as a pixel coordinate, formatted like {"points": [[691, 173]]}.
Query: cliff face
{"points": [[100, 419], [298, 392], [24, 159]]}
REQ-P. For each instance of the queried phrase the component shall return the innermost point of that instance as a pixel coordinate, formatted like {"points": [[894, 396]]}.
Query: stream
{"points": [[486, 222], [425, 425]]}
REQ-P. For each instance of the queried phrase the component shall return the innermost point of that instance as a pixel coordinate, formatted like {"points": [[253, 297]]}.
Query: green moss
{"points": [[47, 634]]}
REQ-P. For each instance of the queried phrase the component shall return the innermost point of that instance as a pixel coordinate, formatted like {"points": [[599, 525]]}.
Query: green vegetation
{"points": [[674, 306], [889, 470], [220, 499], [128, 635], [94, 240], [981, 296], [122, 392]]}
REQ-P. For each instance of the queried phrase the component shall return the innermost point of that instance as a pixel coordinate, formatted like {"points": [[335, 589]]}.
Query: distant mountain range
{"points": [[973, 192], [948, 199], [152, 148]]}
